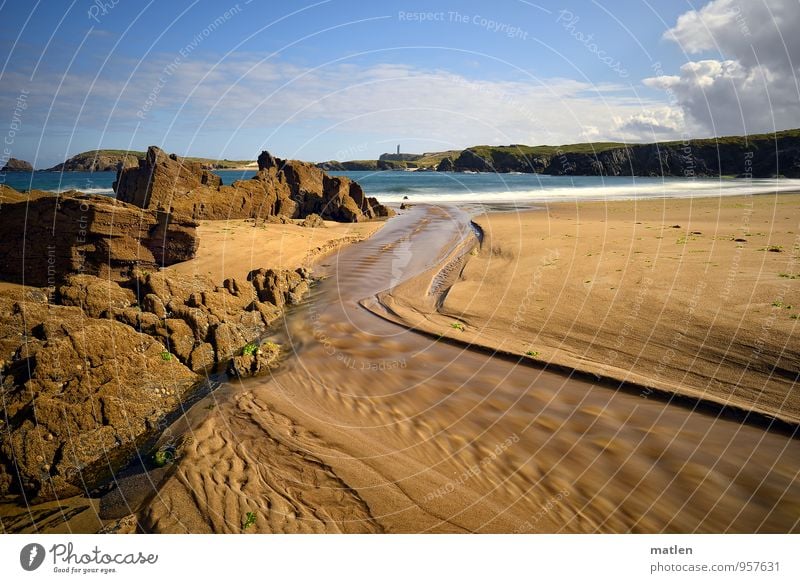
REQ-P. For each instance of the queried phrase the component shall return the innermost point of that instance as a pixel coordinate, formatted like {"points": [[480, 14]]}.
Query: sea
{"points": [[394, 187]]}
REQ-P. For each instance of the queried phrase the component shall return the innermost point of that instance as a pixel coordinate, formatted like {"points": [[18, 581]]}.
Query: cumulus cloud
{"points": [[752, 85]]}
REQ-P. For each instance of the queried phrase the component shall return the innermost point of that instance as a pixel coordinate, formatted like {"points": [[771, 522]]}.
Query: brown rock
{"points": [[94, 295], [289, 188], [313, 221], [61, 236], [97, 389], [255, 360]]}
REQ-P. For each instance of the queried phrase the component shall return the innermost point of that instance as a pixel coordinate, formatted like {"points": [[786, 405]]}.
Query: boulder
{"points": [[95, 296], [255, 359]]}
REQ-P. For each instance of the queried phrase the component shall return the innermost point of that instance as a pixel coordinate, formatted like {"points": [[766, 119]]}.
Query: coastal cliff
{"points": [[762, 156], [755, 156]]}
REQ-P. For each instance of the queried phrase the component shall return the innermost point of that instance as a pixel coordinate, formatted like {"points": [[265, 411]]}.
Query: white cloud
{"points": [[383, 100], [753, 85]]}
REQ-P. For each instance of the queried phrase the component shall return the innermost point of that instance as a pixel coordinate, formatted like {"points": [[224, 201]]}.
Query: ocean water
{"points": [[450, 187]]}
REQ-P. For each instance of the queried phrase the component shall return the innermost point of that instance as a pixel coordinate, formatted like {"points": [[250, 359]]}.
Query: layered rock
{"points": [[92, 373], [52, 237], [289, 188], [15, 165]]}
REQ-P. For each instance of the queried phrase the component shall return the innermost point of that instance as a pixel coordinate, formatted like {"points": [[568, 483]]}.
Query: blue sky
{"points": [[345, 79]]}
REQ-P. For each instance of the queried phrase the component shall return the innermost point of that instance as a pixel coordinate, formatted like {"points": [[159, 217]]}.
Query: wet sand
{"points": [[227, 249], [372, 427], [693, 297]]}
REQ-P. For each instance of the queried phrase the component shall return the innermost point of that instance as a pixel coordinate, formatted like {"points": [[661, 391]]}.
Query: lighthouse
{"points": [[398, 149]]}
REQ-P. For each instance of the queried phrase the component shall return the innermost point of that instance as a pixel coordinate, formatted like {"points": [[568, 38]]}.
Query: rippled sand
{"points": [[370, 427]]}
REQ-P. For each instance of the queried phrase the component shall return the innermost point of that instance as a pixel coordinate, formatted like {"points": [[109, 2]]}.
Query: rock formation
{"points": [[52, 237], [14, 165], [92, 373], [290, 188], [446, 165]]}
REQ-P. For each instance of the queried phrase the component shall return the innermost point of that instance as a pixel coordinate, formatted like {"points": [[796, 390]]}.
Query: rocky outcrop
{"points": [[79, 394], [446, 165], [52, 237], [99, 161], [14, 165], [90, 374], [290, 188]]}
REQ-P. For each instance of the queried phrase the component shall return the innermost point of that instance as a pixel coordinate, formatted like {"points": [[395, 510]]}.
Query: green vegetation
{"points": [[532, 353], [457, 326], [165, 355], [210, 162], [789, 275], [163, 456], [249, 520], [249, 349]]}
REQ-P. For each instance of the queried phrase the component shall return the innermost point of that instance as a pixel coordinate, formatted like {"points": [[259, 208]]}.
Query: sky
{"points": [[344, 79]]}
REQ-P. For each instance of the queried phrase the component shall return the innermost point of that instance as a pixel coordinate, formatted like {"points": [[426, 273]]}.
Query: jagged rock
{"points": [[14, 165], [161, 181], [97, 385], [279, 287], [125, 525], [93, 235], [105, 369], [290, 188], [255, 360]]}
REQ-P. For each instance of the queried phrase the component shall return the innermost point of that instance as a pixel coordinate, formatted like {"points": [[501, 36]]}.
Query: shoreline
{"points": [[522, 263]]}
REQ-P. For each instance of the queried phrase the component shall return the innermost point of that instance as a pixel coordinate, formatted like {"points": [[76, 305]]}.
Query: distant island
{"points": [[113, 160], [757, 156], [15, 165]]}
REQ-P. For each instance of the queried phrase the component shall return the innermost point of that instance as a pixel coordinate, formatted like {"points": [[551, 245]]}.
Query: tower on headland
{"points": [[398, 148]]}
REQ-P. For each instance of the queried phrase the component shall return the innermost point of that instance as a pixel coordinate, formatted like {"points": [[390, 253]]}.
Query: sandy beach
{"points": [[696, 297], [235, 247], [370, 427]]}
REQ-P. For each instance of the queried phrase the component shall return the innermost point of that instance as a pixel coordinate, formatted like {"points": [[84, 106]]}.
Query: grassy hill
{"points": [[108, 160]]}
